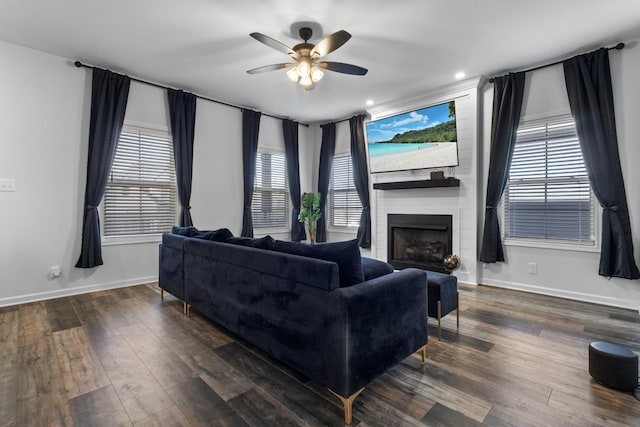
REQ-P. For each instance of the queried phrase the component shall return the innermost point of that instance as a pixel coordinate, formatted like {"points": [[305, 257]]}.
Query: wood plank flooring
{"points": [[125, 357]]}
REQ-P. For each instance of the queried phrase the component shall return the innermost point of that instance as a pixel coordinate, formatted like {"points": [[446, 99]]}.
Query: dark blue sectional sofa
{"points": [[312, 307]]}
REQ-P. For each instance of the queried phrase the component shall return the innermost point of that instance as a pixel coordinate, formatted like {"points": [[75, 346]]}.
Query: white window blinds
{"points": [[270, 203], [548, 195], [344, 203], [140, 197]]}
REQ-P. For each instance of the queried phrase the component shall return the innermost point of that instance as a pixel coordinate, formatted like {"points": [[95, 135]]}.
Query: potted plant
{"points": [[310, 213]]}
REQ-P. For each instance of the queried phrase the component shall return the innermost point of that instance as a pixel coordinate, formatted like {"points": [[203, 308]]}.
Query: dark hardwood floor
{"points": [[125, 357]]}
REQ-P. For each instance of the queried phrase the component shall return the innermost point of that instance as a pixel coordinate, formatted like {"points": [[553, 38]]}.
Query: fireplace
{"points": [[419, 241]]}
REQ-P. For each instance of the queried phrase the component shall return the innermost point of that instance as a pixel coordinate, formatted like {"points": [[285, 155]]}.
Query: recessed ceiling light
{"points": [[460, 75], [369, 101]]}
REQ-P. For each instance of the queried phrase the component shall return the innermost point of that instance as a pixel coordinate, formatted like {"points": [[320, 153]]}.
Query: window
{"points": [[140, 197], [270, 203], [344, 203], [548, 195]]}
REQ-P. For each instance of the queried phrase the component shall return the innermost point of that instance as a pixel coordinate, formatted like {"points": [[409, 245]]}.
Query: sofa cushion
{"points": [[345, 254], [373, 268], [265, 242]]}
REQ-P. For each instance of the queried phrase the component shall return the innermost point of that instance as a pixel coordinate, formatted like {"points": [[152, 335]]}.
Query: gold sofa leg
{"points": [[186, 309], [423, 352], [348, 404], [458, 310], [439, 312]]}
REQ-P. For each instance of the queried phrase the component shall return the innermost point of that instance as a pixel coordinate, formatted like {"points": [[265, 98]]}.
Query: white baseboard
{"points": [[41, 296], [577, 296]]}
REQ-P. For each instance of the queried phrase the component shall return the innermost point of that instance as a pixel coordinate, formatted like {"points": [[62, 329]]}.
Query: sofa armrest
{"points": [[378, 323], [171, 264], [174, 241]]}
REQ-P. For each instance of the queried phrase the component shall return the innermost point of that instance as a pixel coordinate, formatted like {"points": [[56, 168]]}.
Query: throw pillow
{"points": [[216, 235], [185, 231], [345, 254], [265, 242], [373, 268]]}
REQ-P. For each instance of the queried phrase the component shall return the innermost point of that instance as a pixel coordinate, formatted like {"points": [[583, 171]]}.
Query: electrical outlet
{"points": [[533, 268], [55, 272]]}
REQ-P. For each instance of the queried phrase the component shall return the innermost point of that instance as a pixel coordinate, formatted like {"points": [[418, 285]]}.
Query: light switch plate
{"points": [[7, 184]]}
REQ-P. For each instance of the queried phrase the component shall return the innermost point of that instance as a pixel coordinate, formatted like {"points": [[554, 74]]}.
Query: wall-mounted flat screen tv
{"points": [[419, 139]]}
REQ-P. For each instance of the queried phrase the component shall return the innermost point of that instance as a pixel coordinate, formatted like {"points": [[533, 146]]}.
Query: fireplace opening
{"points": [[419, 241]]}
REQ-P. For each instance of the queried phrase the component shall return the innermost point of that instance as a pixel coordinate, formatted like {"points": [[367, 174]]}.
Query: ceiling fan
{"points": [[306, 70]]}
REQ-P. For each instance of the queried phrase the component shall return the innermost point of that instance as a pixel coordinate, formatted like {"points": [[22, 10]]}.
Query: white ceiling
{"points": [[409, 47]]}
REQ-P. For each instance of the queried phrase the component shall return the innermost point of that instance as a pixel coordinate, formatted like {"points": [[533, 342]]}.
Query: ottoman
{"points": [[442, 296], [613, 365]]}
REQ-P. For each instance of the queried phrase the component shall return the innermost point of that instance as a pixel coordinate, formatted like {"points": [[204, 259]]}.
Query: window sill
{"points": [[552, 244], [265, 231], [344, 230], [131, 240]]}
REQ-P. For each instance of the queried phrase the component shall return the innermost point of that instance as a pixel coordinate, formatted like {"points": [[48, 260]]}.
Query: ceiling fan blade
{"points": [[330, 43], [272, 67], [273, 43], [341, 67]]}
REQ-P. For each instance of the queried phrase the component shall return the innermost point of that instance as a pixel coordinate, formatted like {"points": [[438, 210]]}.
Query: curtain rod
{"points": [[366, 113], [80, 64], [619, 46]]}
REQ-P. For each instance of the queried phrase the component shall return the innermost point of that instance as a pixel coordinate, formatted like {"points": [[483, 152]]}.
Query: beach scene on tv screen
{"points": [[424, 138]]}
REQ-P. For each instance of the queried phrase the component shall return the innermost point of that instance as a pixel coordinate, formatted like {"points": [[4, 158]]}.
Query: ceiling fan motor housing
{"points": [[305, 33]]}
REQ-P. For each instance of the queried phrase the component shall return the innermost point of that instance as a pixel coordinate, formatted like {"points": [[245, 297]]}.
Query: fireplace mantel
{"points": [[425, 183]]}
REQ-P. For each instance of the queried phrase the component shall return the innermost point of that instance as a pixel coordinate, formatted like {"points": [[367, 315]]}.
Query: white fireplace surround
{"points": [[459, 202]]}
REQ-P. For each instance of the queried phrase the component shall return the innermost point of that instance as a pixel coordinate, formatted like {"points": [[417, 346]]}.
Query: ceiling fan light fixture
{"points": [[304, 68], [293, 75], [306, 81], [316, 74]]}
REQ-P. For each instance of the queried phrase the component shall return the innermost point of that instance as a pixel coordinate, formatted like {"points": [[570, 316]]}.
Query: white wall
{"points": [[574, 274], [43, 142], [45, 107]]}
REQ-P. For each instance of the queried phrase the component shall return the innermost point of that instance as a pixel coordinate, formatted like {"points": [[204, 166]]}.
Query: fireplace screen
{"points": [[419, 241], [421, 246]]}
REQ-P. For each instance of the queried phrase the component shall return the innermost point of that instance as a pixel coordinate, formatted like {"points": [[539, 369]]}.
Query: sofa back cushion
{"points": [[231, 265], [345, 254]]}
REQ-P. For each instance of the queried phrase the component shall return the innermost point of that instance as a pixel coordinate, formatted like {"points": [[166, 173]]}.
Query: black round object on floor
{"points": [[613, 365]]}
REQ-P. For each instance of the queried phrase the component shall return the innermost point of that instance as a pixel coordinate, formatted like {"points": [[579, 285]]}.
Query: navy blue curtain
{"points": [[327, 150], [182, 115], [109, 93], [250, 130], [361, 178], [290, 132], [588, 80], [508, 92]]}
